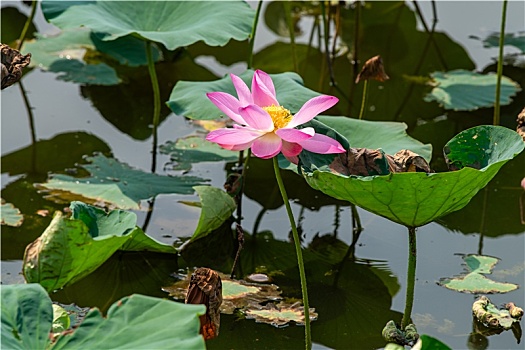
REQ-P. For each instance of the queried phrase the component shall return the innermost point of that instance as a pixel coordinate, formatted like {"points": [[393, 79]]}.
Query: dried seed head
{"points": [[372, 69]]}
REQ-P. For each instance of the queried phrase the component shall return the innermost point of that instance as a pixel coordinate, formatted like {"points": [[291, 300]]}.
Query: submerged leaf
{"points": [[117, 184], [9, 215], [463, 90], [71, 248], [415, 199], [474, 280], [279, 315], [194, 149]]}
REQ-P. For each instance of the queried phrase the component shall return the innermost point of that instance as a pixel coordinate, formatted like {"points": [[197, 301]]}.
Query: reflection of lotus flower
{"points": [[265, 126]]}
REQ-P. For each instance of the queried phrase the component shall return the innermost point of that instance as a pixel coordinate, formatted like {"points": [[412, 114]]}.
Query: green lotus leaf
{"points": [[71, 248], [415, 199], [390, 136], [10, 215], [172, 23], [26, 316], [134, 322], [474, 280], [279, 315], [188, 98], [117, 184], [463, 90], [216, 207], [513, 39], [194, 149], [139, 322], [61, 321]]}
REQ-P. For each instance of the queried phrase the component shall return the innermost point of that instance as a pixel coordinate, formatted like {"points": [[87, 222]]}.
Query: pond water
{"points": [[356, 291]]}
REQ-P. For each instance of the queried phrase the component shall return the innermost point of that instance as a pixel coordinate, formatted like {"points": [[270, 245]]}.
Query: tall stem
{"points": [[288, 12], [156, 103], [254, 30], [411, 276], [27, 24], [363, 101], [496, 120], [32, 128], [297, 242]]}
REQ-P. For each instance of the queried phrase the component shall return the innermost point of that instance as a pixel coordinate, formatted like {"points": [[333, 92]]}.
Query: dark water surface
{"points": [[354, 296]]}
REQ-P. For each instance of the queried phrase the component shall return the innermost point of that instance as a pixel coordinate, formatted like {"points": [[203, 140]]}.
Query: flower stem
{"points": [[411, 276], [156, 102], [297, 242], [363, 101], [27, 24], [252, 35], [496, 119]]}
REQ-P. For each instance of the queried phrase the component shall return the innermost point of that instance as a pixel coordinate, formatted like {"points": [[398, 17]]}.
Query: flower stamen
{"points": [[280, 115]]}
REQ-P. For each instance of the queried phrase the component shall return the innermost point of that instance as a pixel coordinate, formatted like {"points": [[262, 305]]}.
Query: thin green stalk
{"points": [[411, 276], [297, 242], [288, 12], [496, 120], [363, 101], [252, 35], [156, 103], [32, 128], [27, 24]]}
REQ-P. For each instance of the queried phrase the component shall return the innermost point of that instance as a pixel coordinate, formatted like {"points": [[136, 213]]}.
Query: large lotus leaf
{"points": [[10, 215], [194, 149], [26, 316], [216, 207], [463, 90], [188, 98], [138, 322], [415, 199], [474, 280], [118, 184], [71, 248], [173, 23], [390, 136]]}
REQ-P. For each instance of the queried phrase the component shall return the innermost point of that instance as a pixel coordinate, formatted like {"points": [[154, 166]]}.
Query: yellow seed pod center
{"points": [[280, 115]]}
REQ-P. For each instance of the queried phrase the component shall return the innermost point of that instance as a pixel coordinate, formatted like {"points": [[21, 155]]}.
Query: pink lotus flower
{"points": [[267, 127]]}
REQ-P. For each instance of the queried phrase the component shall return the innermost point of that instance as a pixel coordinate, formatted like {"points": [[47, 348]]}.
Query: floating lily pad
{"points": [[236, 294], [513, 39], [117, 184], [474, 280], [216, 207], [462, 90], [173, 23], [188, 98], [194, 149], [279, 315], [415, 199], [137, 322], [71, 248], [9, 215]]}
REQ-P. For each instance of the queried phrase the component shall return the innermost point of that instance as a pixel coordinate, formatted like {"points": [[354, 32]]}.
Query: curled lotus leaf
{"points": [[279, 315], [416, 198], [490, 316], [236, 294]]}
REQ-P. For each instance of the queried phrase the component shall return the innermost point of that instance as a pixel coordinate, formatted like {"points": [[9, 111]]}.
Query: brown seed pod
{"points": [[206, 288], [372, 69]]}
